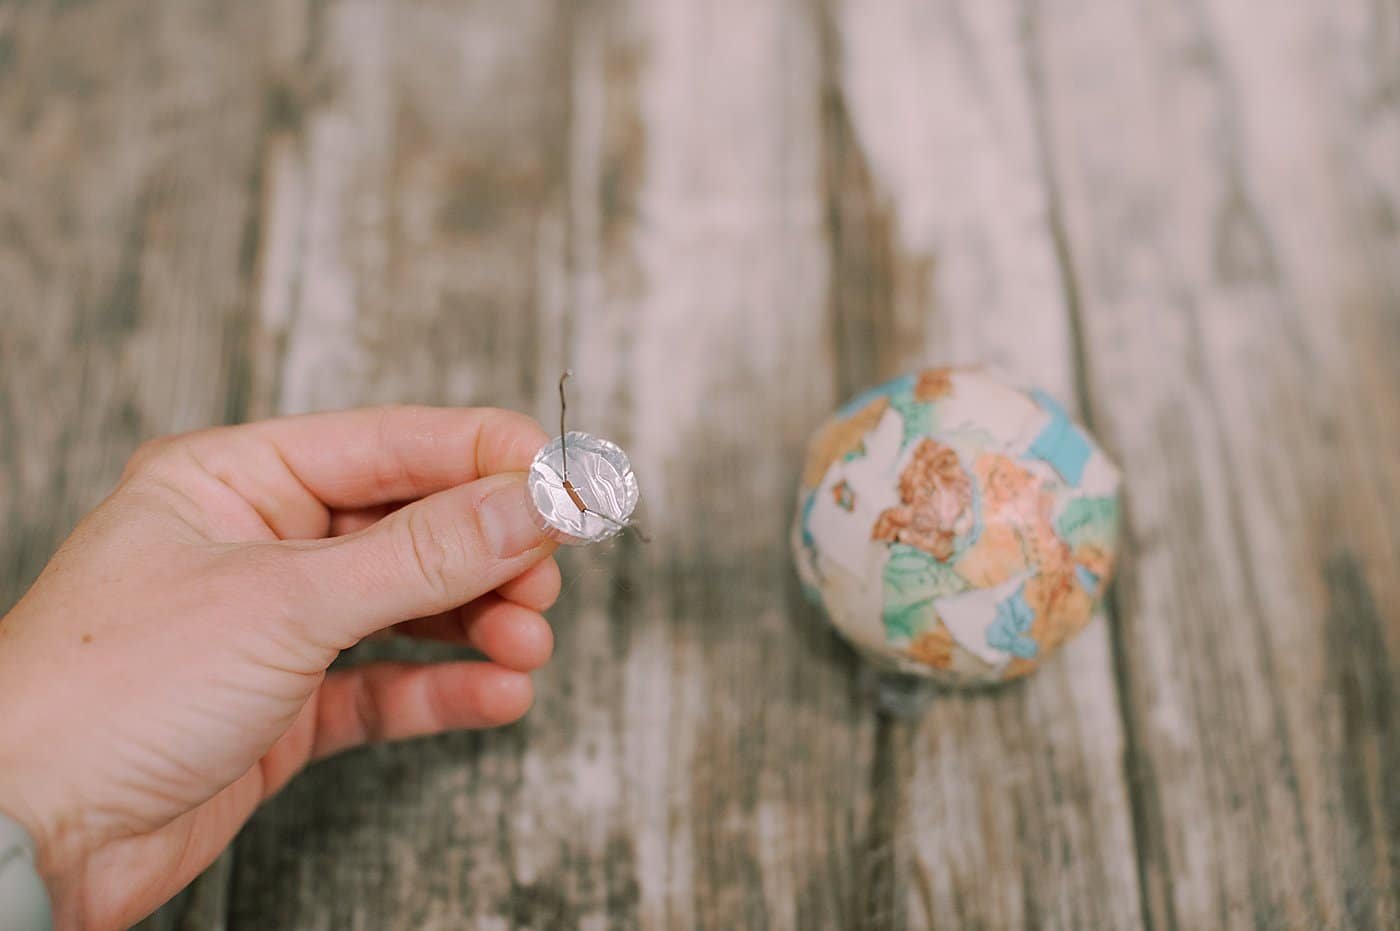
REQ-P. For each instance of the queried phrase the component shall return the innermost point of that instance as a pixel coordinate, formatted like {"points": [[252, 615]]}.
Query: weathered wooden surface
{"points": [[726, 217], [942, 184], [1236, 263]]}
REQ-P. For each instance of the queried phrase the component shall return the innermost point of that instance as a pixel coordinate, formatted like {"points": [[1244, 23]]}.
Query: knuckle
{"points": [[147, 455], [433, 551], [369, 716], [164, 453], [390, 471]]}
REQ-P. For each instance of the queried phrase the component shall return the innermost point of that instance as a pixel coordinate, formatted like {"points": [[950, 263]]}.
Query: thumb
{"points": [[430, 556]]}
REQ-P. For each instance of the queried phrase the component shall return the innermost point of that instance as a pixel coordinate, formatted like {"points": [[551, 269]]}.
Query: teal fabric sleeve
{"points": [[24, 902]]}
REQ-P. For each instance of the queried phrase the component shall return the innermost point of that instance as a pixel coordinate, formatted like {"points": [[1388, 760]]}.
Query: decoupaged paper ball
{"points": [[955, 527]]}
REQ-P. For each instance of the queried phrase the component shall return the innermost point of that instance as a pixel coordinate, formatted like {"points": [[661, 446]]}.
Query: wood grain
{"points": [[123, 211], [408, 245], [1219, 241], [727, 217], [1006, 808], [653, 784], [129, 163]]}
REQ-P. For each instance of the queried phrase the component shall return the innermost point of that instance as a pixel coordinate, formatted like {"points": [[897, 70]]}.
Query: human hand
{"points": [[168, 670]]}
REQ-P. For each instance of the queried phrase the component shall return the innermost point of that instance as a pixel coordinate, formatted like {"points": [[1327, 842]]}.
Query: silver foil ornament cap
{"points": [[595, 501]]}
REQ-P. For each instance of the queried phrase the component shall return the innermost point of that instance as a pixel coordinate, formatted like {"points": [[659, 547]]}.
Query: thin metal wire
{"points": [[621, 526], [569, 488], [563, 436]]}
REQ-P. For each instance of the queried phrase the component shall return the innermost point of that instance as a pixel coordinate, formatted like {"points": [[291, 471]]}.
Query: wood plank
{"points": [[458, 201], [415, 192], [482, 196], [1010, 808], [1226, 177], [128, 174], [767, 825]]}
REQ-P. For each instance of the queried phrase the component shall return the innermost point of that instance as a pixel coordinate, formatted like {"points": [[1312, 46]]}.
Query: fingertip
{"points": [[514, 440], [502, 695], [513, 636], [537, 587]]}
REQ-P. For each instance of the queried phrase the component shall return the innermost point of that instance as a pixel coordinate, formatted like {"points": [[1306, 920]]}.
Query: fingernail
{"points": [[507, 522]]}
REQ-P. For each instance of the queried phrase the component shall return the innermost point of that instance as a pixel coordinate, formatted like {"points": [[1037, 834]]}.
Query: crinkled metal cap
{"points": [[602, 480]]}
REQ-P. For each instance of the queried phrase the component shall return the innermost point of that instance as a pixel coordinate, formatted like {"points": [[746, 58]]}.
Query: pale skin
{"points": [[167, 672]]}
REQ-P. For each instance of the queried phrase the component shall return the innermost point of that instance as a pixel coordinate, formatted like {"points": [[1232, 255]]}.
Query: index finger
{"points": [[295, 470], [359, 458]]}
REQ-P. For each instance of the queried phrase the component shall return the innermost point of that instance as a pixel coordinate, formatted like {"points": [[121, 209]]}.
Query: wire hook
{"points": [[569, 488]]}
